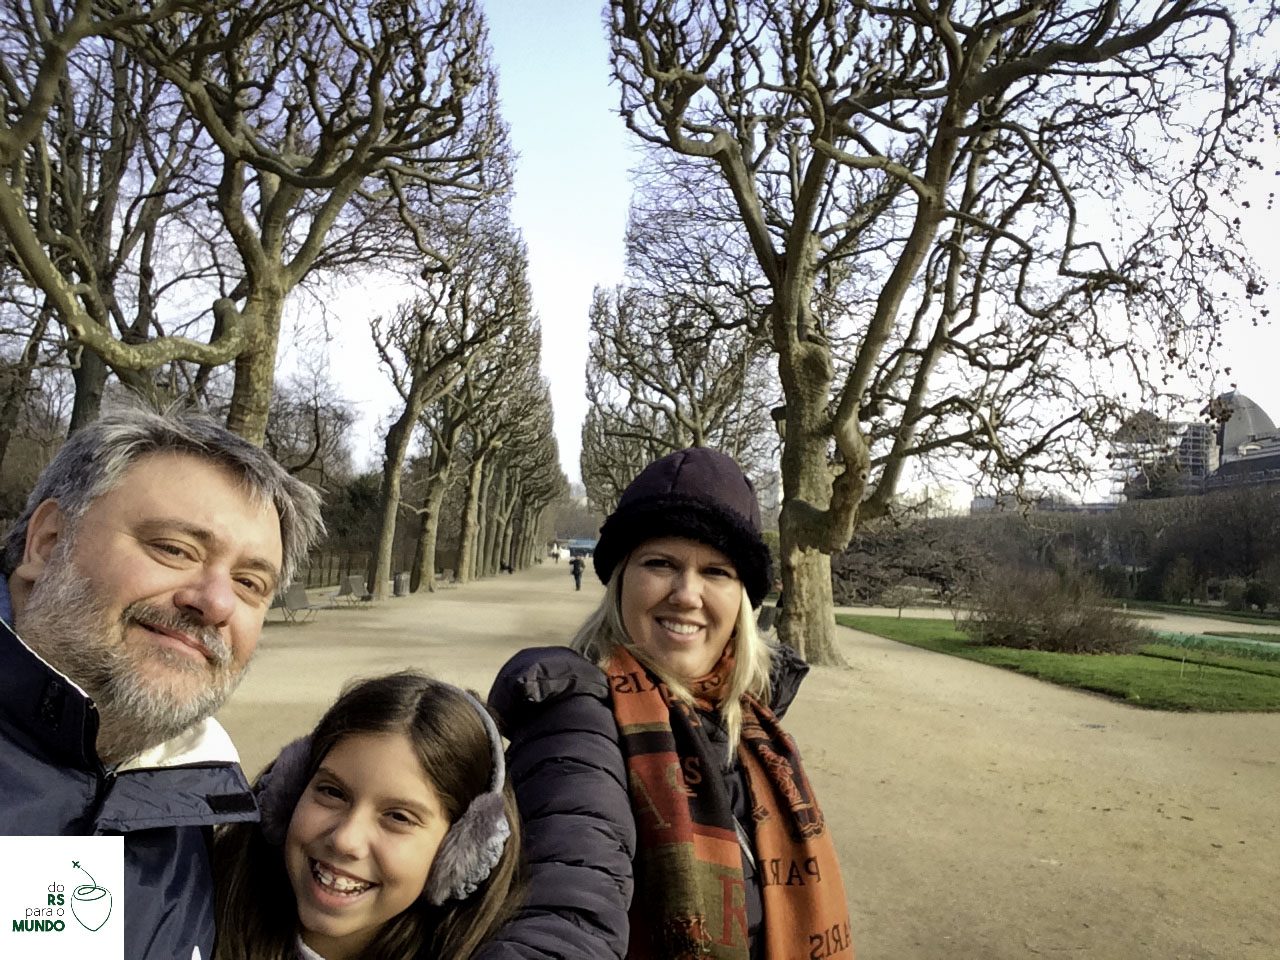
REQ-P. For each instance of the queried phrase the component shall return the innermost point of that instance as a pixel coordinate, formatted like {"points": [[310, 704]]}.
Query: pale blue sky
{"points": [[572, 187]]}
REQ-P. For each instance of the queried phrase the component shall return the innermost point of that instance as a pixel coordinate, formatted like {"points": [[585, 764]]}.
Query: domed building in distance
{"points": [[1247, 439], [1236, 443]]}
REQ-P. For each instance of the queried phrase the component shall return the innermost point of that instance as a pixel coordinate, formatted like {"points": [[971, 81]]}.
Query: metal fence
{"points": [[329, 569]]}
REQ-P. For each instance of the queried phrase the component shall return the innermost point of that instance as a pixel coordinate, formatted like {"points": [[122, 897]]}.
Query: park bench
{"points": [[444, 580], [350, 591], [295, 604]]}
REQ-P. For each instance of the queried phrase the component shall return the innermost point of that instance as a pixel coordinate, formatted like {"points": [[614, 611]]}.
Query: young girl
{"points": [[389, 832]]}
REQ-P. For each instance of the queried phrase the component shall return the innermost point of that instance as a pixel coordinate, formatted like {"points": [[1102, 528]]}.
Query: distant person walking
{"points": [[576, 567]]}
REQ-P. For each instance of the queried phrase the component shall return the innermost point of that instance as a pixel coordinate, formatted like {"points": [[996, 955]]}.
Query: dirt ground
{"points": [[978, 814]]}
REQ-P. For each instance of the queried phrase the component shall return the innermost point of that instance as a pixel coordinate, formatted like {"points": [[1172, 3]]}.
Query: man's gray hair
{"points": [[95, 458]]}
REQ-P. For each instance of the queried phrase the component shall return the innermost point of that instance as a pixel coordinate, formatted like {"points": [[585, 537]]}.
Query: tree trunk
{"points": [[419, 551], [488, 518], [424, 567], [500, 519], [90, 376], [396, 447], [480, 568], [529, 541], [807, 624], [466, 534], [505, 551], [491, 526], [521, 546], [507, 518], [255, 370]]}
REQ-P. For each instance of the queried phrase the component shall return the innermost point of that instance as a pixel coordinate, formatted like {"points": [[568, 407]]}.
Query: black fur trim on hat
{"points": [[696, 518]]}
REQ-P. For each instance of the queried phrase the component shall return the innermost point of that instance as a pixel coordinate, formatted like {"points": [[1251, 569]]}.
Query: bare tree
{"points": [[541, 483], [928, 193], [430, 478], [99, 195], [35, 393], [678, 355], [615, 451], [510, 380], [658, 381], [337, 130], [309, 425], [528, 459], [16, 375]]}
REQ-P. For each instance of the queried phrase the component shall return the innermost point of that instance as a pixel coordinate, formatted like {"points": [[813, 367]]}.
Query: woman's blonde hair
{"points": [[603, 632]]}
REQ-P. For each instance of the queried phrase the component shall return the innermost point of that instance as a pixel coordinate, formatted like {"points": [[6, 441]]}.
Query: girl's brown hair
{"points": [[257, 917]]}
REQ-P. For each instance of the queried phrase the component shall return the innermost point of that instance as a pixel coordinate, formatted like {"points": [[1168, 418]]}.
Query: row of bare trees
{"points": [[963, 230], [677, 356], [464, 357]]}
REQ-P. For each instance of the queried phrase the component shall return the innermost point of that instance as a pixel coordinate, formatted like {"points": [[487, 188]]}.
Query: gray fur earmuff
{"points": [[475, 841], [280, 788]]}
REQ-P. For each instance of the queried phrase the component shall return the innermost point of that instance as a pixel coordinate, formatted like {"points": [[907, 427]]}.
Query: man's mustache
{"points": [[147, 614]]}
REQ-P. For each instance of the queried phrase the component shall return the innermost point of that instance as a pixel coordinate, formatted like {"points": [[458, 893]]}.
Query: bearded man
{"points": [[136, 584]]}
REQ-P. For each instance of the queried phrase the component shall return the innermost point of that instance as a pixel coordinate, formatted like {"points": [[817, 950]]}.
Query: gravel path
{"points": [[979, 814]]}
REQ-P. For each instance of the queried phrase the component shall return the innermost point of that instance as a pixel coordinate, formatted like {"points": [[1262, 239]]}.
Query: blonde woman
{"points": [[667, 813]]}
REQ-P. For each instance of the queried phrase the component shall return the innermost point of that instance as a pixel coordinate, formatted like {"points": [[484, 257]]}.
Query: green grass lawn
{"points": [[1158, 677], [1214, 658]]}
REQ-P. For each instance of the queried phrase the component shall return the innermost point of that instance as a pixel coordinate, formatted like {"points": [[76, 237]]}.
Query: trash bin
{"points": [[402, 584]]}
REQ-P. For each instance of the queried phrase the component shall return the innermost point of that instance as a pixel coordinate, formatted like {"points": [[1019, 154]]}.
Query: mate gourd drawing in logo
{"points": [[90, 903]]}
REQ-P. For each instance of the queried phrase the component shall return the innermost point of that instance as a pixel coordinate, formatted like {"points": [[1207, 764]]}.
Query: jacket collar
{"points": [[784, 678], [44, 706]]}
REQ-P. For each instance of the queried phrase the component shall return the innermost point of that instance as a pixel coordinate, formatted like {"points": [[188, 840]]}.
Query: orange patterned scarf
{"points": [[690, 901]]}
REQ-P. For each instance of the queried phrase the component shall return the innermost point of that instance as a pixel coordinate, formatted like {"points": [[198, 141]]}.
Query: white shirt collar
{"points": [[305, 952]]}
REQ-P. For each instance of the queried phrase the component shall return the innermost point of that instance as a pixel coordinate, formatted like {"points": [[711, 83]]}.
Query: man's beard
{"points": [[145, 694]]}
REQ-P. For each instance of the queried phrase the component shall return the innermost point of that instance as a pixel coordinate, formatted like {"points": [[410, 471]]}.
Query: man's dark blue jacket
{"points": [[164, 802]]}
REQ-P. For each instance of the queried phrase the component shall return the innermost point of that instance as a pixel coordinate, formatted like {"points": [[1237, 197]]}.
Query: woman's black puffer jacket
{"points": [[571, 783], [570, 779]]}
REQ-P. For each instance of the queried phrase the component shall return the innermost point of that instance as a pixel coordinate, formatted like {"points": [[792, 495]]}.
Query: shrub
{"points": [[1114, 581], [1233, 594], [1150, 585], [1179, 581], [899, 597], [1058, 613], [1258, 593]]}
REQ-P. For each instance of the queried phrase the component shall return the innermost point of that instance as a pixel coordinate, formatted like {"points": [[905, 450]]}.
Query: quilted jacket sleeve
{"points": [[571, 784]]}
